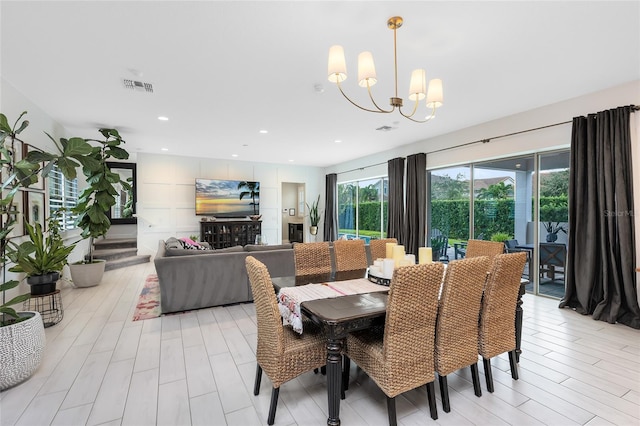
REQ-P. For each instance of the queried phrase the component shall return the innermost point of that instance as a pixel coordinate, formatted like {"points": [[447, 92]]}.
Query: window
{"points": [[362, 208], [63, 196]]}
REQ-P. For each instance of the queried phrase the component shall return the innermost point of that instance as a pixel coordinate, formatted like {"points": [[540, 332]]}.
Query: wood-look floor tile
{"points": [[173, 404], [141, 407], [207, 410]]}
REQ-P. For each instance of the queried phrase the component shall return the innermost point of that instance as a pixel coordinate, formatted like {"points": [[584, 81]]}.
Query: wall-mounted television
{"points": [[227, 198]]}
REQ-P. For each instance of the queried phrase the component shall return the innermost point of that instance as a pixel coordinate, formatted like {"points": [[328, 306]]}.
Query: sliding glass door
{"points": [[554, 226], [521, 201], [448, 210]]}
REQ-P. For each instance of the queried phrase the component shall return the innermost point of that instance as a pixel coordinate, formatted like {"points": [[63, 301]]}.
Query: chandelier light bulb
{"points": [[366, 70], [418, 85], [337, 65], [435, 95]]}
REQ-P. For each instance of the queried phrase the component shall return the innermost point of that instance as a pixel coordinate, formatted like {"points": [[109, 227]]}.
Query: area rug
{"points": [[149, 302]]}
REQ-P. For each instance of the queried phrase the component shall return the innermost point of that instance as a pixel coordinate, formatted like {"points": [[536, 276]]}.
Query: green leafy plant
{"points": [[314, 214], [500, 237], [96, 200], [14, 175], [40, 255]]}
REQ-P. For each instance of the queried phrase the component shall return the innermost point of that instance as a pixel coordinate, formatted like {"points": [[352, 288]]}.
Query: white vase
{"points": [[21, 348], [313, 230], [87, 274]]}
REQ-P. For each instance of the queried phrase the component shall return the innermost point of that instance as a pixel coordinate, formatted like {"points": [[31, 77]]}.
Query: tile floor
{"points": [[101, 368]]}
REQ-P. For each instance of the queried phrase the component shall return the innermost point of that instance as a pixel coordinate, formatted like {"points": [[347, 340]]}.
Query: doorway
{"points": [[293, 211]]}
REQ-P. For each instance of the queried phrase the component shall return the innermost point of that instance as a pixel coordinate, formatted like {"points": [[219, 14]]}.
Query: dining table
{"points": [[344, 314]]}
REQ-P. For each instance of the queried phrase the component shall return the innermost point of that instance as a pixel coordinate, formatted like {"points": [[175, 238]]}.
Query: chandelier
{"points": [[367, 78]]}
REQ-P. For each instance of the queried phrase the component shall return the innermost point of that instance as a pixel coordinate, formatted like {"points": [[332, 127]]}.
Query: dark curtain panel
{"points": [[331, 208], [416, 211], [600, 266], [395, 222]]}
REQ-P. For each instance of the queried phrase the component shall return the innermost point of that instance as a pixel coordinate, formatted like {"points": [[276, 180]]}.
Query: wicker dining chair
{"points": [[456, 344], [378, 248], [282, 353], [351, 259], [490, 249], [399, 357], [497, 330], [312, 262]]}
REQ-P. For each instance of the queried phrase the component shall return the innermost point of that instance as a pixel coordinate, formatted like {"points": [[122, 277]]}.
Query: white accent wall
{"points": [[166, 194]]}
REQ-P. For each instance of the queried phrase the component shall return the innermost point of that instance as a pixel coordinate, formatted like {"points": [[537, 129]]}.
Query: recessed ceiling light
{"points": [[163, 118], [291, 161], [337, 141], [264, 132], [164, 149], [234, 155]]}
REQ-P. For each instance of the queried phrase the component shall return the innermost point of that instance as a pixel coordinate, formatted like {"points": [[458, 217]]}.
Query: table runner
{"points": [[290, 298]]}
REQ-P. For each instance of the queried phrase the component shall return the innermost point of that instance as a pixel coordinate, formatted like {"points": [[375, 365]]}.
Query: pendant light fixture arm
{"points": [[433, 114], [378, 110]]}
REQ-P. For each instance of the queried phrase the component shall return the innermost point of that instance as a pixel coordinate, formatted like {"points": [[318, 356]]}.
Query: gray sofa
{"points": [[194, 279]]}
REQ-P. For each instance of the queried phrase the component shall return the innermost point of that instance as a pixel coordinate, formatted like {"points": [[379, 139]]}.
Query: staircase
{"points": [[118, 252]]}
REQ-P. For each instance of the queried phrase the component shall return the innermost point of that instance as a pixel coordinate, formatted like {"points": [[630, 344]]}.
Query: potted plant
{"points": [[22, 338], [96, 200], [552, 230], [314, 216], [41, 257]]}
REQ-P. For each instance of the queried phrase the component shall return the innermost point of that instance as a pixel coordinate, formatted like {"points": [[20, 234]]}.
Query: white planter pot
{"points": [[87, 274], [21, 349]]}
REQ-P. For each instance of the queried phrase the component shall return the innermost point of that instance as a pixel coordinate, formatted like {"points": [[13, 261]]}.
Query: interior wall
{"points": [[166, 193]]}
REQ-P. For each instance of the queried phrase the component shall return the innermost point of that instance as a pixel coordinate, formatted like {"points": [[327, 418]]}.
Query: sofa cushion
{"points": [[185, 252], [228, 250], [258, 247], [173, 243]]}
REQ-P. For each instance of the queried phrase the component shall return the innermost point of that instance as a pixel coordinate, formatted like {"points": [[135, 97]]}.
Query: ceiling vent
{"points": [[385, 128], [138, 86]]}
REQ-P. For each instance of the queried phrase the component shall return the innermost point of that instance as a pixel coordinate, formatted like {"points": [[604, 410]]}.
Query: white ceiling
{"points": [[223, 70]]}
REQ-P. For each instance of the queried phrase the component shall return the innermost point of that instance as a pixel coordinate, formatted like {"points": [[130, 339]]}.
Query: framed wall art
{"points": [[35, 211]]}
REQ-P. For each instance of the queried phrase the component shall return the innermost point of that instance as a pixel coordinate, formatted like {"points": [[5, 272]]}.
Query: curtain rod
{"points": [[634, 108]]}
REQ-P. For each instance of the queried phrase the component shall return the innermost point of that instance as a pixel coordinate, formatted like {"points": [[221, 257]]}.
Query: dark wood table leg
{"points": [[334, 379], [519, 314]]}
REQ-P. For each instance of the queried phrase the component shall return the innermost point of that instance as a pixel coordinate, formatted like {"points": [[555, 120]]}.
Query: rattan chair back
{"points": [[350, 255], [409, 331], [490, 249], [281, 353], [378, 248], [399, 357], [496, 332], [312, 260], [270, 332], [456, 344]]}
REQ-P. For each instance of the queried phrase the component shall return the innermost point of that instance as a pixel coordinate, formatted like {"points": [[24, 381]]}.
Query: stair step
{"points": [[114, 253], [114, 243], [126, 261]]}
